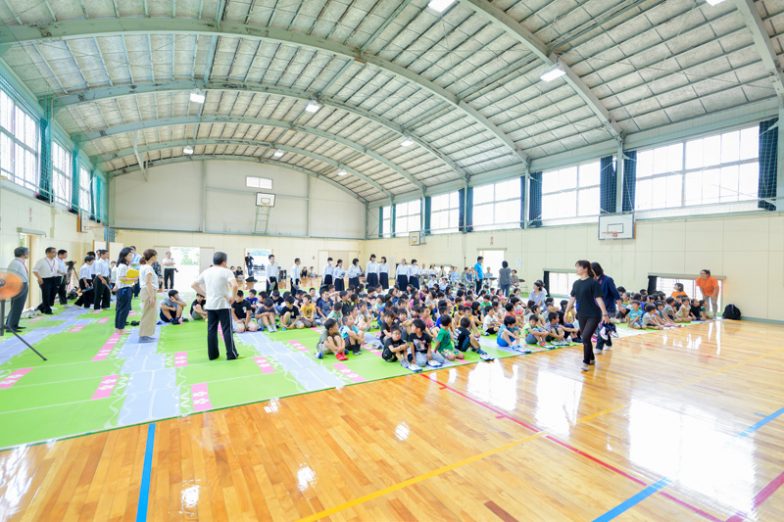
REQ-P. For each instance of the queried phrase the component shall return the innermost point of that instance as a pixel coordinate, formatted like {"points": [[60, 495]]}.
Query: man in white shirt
{"points": [[103, 272], [62, 272], [273, 272], [371, 274], [18, 266], [219, 286], [296, 272], [45, 271], [86, 282], [136, 264]]}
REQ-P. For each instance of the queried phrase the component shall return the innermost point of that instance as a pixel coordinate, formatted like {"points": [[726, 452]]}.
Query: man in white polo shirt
{"points": [[273, 272], [219, 286], [45, 271]]}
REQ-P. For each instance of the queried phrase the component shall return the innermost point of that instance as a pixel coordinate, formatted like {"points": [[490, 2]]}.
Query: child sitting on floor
{"points": [[444, 344], [508, 333], [422, 344], [352, 336], [331, 342], [534, 332], [650, 320], [683, 315], [634, 317], [397, 350]]}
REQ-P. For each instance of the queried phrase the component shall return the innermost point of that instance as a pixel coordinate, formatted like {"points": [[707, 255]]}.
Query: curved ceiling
{"points": [[410, 98]]}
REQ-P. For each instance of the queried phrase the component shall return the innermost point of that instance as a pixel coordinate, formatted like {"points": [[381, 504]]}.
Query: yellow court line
{"points": [[474, 458], [420, 478]]}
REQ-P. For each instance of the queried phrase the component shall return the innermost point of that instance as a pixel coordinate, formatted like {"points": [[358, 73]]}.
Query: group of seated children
{"points": [[656, 311]]}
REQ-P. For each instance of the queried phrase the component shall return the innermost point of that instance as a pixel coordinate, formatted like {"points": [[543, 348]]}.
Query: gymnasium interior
{"points": [[476, 149]]}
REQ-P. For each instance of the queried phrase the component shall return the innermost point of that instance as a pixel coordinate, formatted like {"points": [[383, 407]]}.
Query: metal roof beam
{"points": [[251, 143], [762, 43], [85, 28], [108, 92], [221, 118], [235, 157], [537, 47]]}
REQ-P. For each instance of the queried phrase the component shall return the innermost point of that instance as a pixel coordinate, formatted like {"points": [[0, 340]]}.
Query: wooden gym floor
{"points": [[686, 424]]}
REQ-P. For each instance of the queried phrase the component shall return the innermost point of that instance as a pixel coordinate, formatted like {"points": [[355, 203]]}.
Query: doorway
{"points": [[187, 260]]}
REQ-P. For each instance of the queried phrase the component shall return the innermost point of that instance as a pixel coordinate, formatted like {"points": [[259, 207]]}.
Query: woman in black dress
{"points": [[587, 292]]}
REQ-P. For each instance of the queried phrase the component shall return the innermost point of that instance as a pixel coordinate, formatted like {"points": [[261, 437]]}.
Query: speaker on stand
{"points": [[10, 287]]}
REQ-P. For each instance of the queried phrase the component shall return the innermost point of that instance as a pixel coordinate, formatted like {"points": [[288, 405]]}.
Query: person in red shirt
{"points": [[709, 287]]}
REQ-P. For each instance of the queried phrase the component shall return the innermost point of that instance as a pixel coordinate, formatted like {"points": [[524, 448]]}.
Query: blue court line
{"points": [[632, 501], [751, 429], [653, 488], [144, 489]]}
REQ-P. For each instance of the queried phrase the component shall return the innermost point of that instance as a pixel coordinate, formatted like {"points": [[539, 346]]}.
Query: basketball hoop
{"points": [[613, 235]]}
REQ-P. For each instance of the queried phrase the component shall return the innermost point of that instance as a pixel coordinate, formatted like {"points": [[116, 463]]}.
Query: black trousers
{"points": [[294, 283], [478, 285], [340, 284], [223, 317], [61, 291], [353, 282], [17, 307], [103, 295], [327, 280], [402, 282], [168, 278], [372, 280], [587, 328], [414, 281], [48, 289], [272, 284], [384, 280]]}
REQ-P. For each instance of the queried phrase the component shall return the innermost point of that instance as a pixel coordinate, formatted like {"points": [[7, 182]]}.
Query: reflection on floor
{"points": [[685, 424]]}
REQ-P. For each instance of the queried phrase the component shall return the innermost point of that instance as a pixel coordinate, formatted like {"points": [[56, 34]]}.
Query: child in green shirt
{"points": [[444, 344]]}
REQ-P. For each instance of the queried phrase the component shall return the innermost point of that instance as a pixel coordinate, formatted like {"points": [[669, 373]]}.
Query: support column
{"points": [[619, 178], [75, 172], [307, 207], [780, 159], [526, 203], [203, 205], [45, 189]]}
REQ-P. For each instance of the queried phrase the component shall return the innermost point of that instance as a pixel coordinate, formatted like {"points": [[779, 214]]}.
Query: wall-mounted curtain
{"points": [[608, 187], [629, 179], [535, 200], [768, 149], [426, 219]]}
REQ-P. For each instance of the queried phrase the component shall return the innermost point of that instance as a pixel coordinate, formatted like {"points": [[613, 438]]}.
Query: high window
{"points": [[444, 213], [18, 144], [497, 205], [571, 192]]}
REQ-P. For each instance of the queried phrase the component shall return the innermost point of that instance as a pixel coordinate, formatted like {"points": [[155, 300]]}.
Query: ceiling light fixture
{"points": [[197, 97], [714, 2], [313, 106], [342, 172], [188, 150], [553, 73], [407, 142], [277, 154], [440, 5]]}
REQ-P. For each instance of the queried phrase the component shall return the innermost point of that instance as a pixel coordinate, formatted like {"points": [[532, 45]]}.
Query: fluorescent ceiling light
{"points": [[407, 142], [197, 97], [552, 74], [278, 153], [714, 2], [313, 106], [342, 172], [188, 150], [440, 5]]}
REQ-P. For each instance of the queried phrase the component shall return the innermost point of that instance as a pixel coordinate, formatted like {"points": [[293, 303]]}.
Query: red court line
{"points": [[552, 438], [760, 498]]}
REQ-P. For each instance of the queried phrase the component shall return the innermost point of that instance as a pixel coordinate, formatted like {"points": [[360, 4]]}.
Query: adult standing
{"points": [[102, 289], [329, 273], [169, 268], [413, 274], [505, 278], [383, 273], [709, 287], [587, 293], [18, 266], [62, 271], [401, 275], [124, 285], [148, 279], [610, 296], [296, 274], [45, 271], [219, 286], [479, 272], [371, 274], [273, 272], [249, 264], [338, 274], [136, 263], [354, 271]]}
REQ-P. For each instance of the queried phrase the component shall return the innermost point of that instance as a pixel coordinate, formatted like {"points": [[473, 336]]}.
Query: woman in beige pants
{"points": [[148, 280]]}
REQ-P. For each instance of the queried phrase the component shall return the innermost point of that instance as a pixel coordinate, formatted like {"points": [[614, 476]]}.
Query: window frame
{"points": [[494, 202], [61, 195], [408, 214], [575, 191], [23, 158], [449, 211]]}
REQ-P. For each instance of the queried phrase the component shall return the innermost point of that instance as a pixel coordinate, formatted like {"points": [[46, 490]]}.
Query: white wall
{"points": [[747, 249], [21, 212], [173, 199]]}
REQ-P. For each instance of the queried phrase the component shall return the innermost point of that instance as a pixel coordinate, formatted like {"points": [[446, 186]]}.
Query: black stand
{"points": [[2, 331]]}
